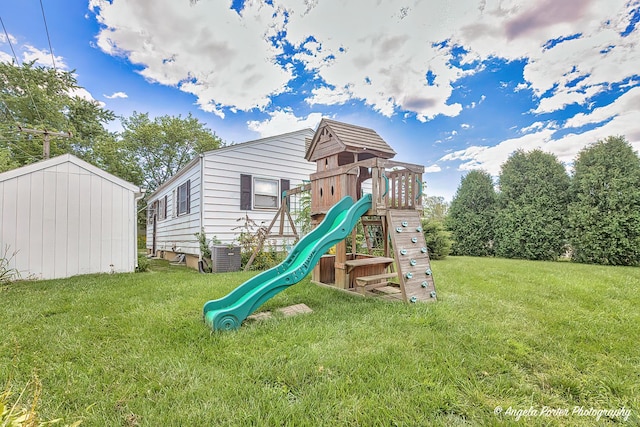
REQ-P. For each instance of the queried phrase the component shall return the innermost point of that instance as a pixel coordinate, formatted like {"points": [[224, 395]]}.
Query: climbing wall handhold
{"points": [[432, 294], [419, 229], [405, 223], [403, 251], [413, 262], [424, 284], [423, 250], [399, 229], [408, 275], [414, 239], [428, 272], [413, 299]]}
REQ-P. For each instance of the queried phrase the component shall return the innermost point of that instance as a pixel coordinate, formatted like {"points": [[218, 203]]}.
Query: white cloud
{"points": [[12, 39], [116, 95], [204, 48], [5, 57], [618, 118], [432, 169], [282, 121], [229, 60], [465, 126], [537, 126], [628, 103], [85, 94], [42, 57]]}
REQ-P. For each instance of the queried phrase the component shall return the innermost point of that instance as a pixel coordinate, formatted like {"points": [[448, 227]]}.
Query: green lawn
{"points": [[132, 350]]}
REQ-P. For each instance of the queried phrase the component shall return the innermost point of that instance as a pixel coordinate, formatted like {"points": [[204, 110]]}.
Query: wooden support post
{"points": [[342, 278], [315, 273], [46, 144]]}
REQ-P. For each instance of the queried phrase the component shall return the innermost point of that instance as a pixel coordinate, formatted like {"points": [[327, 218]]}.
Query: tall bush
{"points": [[532, 212], [604, 214], [471, 215]]}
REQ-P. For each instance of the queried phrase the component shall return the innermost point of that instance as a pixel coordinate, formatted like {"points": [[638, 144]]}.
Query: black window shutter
{"points": [[284, 186], [166, 199], [189, 196], [245, 192]]}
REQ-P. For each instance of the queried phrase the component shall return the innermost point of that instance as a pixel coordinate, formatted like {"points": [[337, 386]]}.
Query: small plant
{"points": [[143, 263], [303, 217], [205, 248], [7, 273], [17, 414], [251, 234]]}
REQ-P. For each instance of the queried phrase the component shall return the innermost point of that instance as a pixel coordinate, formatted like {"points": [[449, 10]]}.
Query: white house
{"points": [[216, 189], [63, 216]]}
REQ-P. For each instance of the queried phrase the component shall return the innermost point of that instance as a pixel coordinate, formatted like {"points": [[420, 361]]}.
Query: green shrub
{"points": [[205, 249], [267, 258], [143, 263], [438, 239]]}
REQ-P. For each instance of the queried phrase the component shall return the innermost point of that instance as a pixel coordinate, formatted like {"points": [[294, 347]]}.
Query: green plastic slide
{"points": [[229, 312]]}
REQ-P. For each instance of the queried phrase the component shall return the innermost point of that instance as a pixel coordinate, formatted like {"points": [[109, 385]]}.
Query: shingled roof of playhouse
{"points": [[344, 137]]}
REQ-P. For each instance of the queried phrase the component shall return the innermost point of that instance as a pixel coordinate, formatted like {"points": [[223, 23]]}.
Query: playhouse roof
{"points": [[335, 137]]}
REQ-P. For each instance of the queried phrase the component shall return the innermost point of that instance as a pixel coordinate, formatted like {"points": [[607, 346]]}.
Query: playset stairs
{"points": [[413, 267]]}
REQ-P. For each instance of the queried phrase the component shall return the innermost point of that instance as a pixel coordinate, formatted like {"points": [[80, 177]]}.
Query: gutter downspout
{"points": [[138, 196], [201, 229]]}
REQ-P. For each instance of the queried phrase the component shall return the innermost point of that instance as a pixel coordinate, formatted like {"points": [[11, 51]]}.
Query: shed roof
{"points": [[68, 158], [351, 138]]}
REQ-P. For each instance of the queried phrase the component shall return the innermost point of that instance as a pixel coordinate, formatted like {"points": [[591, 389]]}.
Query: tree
{"points": [[435, 208], [532, 211], [43, 98], [6, 162], [604, 214], [471, 215], [165, 144], [437, 238]]}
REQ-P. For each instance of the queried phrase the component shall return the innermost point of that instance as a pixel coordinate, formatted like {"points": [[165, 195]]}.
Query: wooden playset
{"points": [[356, 181], [352, 161]]}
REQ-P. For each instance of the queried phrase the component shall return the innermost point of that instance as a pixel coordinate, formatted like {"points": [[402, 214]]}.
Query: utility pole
{"points": [[46, 146]]}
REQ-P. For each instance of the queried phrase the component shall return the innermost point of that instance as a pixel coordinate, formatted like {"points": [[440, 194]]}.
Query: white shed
{"points": [[63, 216]]}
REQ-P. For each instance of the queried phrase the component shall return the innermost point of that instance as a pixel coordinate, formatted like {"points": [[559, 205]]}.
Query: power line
{"points": [[46, 142], [46, 28], [8, 112], [31, 156], [26, 85]]}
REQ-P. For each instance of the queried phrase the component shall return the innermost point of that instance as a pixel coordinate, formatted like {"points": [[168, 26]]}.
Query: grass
{"points": [[132, 349]]}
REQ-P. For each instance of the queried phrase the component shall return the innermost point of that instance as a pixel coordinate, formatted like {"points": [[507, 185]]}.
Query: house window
{"points": [[260, 193], [265, 193], [162, 208], [183, 197]]}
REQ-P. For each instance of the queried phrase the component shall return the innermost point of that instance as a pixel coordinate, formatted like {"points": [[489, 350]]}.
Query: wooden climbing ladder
{"points": [[411, 255], [412, 264]]}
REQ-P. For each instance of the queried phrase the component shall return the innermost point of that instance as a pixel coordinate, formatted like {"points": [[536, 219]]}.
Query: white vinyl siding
{"points": [[278, 157], [177, 232], [270, 159], [65, 217]]}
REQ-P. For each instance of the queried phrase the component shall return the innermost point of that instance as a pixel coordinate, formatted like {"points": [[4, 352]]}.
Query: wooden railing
{"points": [[394, 185]]}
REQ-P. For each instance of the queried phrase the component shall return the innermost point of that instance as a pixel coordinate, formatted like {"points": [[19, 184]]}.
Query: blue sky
{"points": [[450, 85]]}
